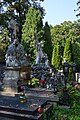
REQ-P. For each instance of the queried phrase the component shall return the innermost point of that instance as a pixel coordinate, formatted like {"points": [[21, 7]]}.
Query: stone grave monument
{"points": [[17, 63], [43, 70]]}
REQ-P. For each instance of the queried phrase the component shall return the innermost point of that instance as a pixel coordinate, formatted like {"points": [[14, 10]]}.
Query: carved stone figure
{"points": [[15, 55], [12, 25], [39, 52]]}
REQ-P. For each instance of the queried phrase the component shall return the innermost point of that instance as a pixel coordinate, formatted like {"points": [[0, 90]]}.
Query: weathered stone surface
{"points": [[11, 77]]}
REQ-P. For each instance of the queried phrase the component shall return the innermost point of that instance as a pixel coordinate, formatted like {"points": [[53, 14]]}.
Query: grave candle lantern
{"points": [[42, 82], [40, 110]]}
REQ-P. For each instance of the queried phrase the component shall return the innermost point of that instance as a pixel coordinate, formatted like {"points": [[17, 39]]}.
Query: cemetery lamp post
{"points": [[64, 100], [65, 71], [73, 71]]}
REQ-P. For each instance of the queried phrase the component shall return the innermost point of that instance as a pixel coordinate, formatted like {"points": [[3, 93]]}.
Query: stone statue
{"points": [[40, 56], [15, 55], [13, 27], [39, 52]]}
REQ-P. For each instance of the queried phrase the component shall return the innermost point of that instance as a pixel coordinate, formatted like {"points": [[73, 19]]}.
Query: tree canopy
{"points": [[17, 10], [67, 31]]}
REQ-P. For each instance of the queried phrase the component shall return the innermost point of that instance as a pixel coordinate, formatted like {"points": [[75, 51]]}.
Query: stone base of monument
{"points": [[10, 81], [11, 76]]}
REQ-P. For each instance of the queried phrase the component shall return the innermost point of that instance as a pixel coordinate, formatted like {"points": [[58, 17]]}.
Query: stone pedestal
{"points": [[12, 75]]}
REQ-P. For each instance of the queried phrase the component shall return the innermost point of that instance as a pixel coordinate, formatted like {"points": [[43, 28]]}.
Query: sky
{"points": [[58, 11]]}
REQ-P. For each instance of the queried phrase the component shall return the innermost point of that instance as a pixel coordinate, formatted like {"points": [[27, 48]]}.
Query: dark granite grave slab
{"points": [[17, 116], [10, 107], [13, 104]]}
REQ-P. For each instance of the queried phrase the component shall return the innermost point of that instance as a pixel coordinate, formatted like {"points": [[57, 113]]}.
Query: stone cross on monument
{"points": [[12, 25]]}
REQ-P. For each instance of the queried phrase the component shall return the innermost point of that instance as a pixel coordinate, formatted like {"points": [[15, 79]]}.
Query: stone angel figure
{"points": [[39, 52]]}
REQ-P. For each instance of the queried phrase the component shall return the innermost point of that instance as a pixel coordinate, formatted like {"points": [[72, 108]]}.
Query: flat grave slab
{"points": [[42, 93], [13, 104], [11, 107]]}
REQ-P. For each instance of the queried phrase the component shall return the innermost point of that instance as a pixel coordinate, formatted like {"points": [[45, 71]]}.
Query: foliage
{"points": [[56, 56], [74, 95], [4, 42], [67, 31], [68, 51], [34, 81], [76, 54], [68, 55], [67, 113], [17, 9], [64, 113], [33, 23], [47, 41]]}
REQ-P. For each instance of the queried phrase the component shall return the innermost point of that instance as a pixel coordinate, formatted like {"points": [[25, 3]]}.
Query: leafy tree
{"points": [[60, 33], [17, 9], [4, 42], [67, 30], [47, 41], [33, 23], [76, 54], [56, 56]]}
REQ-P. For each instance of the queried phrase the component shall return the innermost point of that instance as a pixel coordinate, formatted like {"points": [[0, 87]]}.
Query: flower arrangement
{"points": [[35, 82]]}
